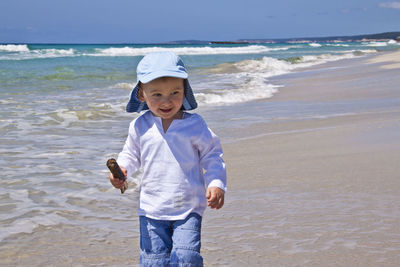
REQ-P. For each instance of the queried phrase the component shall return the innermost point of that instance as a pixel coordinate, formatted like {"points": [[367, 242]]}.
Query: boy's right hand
{"points": [[117, 183]]}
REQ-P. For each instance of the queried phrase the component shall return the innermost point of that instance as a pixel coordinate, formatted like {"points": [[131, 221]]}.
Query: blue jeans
{"points": [[170, 243]]}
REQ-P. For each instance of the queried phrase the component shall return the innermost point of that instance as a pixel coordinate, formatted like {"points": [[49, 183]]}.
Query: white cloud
{"points": [[31, 29], [395, 5]]}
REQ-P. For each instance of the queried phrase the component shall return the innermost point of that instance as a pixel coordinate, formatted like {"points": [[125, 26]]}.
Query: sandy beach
{"points": [[303, 190], [322, 191]]}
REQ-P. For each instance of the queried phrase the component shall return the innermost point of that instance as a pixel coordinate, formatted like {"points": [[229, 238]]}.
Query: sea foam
{"points": [[14, 48], [208, 50], [248, 80], [314, 45], [381, 43], [22, 52]]}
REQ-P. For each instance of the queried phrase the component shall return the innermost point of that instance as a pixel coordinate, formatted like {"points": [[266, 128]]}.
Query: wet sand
{"points": [[321, 191]]}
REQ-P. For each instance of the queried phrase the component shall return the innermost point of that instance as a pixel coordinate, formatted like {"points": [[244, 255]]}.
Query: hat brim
{"points": [[145, 78], [135, 105]]}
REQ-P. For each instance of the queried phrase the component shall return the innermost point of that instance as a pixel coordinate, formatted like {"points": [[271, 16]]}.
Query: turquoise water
{"points": [[46, 68], [62, 114]]}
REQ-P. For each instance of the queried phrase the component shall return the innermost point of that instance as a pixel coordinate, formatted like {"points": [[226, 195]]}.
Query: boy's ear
{"points": [[140, 94]]}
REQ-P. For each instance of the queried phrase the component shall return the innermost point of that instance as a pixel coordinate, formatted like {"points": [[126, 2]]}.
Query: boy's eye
{"points": [[157, 95]]}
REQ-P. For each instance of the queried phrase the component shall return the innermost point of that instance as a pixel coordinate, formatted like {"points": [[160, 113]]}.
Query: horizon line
{"points": [[326, 38]]}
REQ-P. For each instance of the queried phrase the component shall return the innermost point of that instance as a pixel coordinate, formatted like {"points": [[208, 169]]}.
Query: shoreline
{"points": [[300, 97]]}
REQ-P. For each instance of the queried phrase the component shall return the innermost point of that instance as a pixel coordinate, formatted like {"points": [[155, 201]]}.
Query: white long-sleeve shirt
{"points": [[177, 165]]}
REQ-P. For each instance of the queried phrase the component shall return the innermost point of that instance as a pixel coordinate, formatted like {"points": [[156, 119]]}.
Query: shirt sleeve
{"points": [[210, 152], [129, 157]]}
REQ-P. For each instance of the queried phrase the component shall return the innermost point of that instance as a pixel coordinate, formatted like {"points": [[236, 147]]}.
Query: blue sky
{"points": [[149, 21]]}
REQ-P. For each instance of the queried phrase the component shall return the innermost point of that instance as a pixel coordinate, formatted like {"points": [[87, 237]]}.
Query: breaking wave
{"points": [[248, 80], [208, 50], [23, 52]]}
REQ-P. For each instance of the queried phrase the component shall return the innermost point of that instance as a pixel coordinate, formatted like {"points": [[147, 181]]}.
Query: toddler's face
{"points": [[163, 96]]}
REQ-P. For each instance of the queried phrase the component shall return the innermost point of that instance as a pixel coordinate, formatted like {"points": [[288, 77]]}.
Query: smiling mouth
{"points": [[166, 110]]}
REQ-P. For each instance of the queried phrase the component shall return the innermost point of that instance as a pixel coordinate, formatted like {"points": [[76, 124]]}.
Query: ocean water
{"points": [[62, 115]]}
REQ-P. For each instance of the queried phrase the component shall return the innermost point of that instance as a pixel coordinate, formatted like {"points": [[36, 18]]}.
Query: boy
{"points": [[182, 163]]}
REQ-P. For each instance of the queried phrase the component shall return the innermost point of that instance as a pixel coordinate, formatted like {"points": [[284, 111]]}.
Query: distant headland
{"points": [[330, 39], [354, 38], [229, 42]]}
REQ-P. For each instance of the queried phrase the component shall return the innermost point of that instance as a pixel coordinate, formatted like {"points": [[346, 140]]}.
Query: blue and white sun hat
{"points": [[156, 65]]}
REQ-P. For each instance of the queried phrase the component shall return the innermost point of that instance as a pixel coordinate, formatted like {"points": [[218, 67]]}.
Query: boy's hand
{"points": [[117, 183], [215, 197]]}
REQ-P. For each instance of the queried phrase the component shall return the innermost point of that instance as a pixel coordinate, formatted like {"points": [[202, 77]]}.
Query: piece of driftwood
{"points": [[117, 173]]}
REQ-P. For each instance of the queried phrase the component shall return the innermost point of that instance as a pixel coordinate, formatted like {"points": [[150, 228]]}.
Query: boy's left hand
{"points": [[215, 197]]}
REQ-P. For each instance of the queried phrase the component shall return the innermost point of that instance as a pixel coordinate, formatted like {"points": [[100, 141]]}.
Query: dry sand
{"points": [[390, 60], [317, 192]]}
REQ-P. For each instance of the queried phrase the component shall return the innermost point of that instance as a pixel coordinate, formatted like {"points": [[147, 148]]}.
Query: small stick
{"points": [[117, 173]]}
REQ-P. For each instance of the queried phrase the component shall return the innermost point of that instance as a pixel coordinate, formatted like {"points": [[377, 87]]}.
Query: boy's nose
{"points": [[166, 99]]}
